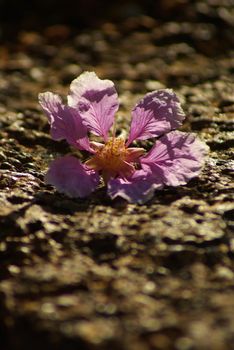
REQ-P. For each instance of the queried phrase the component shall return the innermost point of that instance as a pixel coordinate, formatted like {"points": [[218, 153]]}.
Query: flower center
{"points": [[114, 159], [110, 158], [113, 154]]}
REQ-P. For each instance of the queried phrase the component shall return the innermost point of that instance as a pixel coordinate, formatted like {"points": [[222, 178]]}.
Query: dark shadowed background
{"points": [[36, 15]]}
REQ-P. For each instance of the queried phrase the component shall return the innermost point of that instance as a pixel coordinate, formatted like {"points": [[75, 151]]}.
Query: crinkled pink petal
{"points": [[176, 158], [96, 100], [71, 177], [65, 122], [157, 113], [137, 189]]}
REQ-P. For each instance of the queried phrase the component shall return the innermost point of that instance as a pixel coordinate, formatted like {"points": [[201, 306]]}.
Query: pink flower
{"points": [[128, 172]]}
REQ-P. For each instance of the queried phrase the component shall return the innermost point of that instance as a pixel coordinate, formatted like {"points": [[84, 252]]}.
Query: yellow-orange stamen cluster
{"points": [[111, 159]]}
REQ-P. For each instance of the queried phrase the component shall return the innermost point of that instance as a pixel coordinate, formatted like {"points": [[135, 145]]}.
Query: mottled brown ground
{"points": [[95, 274]]}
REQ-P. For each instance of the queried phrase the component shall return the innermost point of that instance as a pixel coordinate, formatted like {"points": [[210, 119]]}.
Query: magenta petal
{"points": [[65, 122], [96, 100], [176, 158], [138, 189], [71, 177], [157, 113]]}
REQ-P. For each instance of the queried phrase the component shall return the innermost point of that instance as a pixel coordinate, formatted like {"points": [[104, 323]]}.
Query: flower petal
{"points": [[96, 100], [134, 153], [157, 113], [65, 122], [138, 189], [71, 177], [176, 158]]}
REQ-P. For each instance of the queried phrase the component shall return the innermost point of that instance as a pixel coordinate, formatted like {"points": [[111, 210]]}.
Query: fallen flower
{"points": [[128, 172]]}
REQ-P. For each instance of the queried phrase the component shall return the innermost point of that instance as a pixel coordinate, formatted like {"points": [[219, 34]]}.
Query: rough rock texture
{"points": [[94, 274]]}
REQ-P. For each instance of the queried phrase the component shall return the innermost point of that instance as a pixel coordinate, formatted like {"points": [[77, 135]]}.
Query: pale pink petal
{"points": [[157, 113], [71, 177], [134, 153], [137, 189], [176, 158], [65, 122], [96, 100]]}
